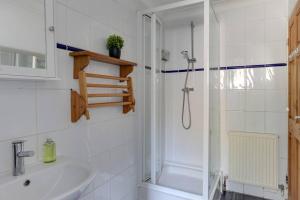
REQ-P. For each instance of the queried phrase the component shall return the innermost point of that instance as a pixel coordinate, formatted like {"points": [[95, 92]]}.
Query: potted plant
{"points": [[114, 44]]}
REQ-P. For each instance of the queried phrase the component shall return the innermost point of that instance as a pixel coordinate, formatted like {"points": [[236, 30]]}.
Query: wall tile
{"points": [[276, 78], [16, 84], [60, 12], [234, 34], [255, 32], [259, 11], [236, 121], [235, 55], [255, 54], [20, 113], [236, 100], [236, 16], [51, 104], [100, 10], [276, 100], [236, 79], [78, 5], [121, 159], [131, 196], [255, 78], [6, 157], [275, 52], [276, 9], [90, 196], [276, 30], [99, 34], [78, 37], [276, 123], [103, 192], [99, 139], [283, 170], [255, 100], [122, 183], [255, 122], [70, 142], [101, 163]]}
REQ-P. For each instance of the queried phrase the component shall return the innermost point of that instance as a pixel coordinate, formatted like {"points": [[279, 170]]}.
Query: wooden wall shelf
{"points": [[83, 58], [80, 102]]}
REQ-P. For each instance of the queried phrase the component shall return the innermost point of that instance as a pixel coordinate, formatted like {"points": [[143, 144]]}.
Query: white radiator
{"points": [[253, 159]]}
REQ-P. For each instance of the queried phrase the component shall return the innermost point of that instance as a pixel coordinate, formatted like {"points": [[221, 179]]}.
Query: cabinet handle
{"points": [[297, 117]]}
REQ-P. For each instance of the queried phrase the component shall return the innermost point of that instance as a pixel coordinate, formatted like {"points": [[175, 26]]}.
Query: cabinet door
{"points": [[27, 49]]}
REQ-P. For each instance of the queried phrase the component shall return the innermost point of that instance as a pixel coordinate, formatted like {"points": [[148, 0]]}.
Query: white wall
{"points": [[254, 99], [36, 110], [183, 146]]}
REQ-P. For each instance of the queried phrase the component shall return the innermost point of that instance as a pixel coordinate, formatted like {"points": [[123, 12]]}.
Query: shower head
{"points": [[185, 54]]}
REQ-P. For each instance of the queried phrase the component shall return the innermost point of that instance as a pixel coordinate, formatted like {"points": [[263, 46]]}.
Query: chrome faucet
{"points": [[18, 157]]}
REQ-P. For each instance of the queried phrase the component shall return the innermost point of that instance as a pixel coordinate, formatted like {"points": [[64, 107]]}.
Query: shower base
{"points": [[176, 182], [182, 178]]}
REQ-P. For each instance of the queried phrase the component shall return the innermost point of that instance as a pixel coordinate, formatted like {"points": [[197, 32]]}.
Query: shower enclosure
{"points": [[175, 160]]}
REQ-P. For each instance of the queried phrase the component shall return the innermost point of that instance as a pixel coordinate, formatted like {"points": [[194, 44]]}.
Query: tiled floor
{"points": [[237, 196]]}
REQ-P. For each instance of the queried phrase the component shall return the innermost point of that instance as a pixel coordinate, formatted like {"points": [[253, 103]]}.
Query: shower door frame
{"points": [[141, 59]]}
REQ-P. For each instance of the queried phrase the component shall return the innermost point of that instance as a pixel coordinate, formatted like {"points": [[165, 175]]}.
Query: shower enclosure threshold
{"points": [[152, 191], [181, 182], [176, 180], [182, 178]]}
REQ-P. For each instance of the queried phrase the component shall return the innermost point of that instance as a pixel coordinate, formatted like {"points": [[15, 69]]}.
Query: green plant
{"points": [[114, 41]]}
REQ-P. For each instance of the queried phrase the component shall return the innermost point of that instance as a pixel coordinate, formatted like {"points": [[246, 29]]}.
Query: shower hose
{"points": [[186, 96]]}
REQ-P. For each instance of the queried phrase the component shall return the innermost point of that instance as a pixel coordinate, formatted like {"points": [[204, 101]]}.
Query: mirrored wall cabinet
{"points": [[27, 44]]}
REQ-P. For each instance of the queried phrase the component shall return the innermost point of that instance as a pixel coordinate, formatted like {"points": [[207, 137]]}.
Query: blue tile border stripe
{"points": [[224, 68], [68, 48], [71, 48]]}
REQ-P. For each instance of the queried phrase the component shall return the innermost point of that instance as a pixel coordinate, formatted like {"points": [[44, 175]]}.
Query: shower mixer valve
{"points": [[192, 60], [187, 89]]}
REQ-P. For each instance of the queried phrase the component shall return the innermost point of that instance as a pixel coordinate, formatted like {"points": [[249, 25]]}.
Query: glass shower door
{"points": [[153, 98], [214, 103], [211, 129], [147, 99]]}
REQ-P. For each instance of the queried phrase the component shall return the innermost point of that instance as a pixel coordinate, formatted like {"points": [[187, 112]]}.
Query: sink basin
{"points": [[63, 180]]}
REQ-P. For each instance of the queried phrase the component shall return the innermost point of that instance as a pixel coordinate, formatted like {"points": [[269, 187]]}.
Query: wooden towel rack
{"points": [[80, 102]]}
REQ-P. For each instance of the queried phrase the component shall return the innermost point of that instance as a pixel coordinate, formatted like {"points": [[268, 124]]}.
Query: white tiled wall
{"points": [[36, 110], [255, 99], [183, 146]]}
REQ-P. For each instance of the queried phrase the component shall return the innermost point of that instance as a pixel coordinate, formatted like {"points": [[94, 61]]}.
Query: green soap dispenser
{"points": [[49, 149]]}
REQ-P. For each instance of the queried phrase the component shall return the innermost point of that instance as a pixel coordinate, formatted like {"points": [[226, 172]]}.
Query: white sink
{"points": [[62, 180]]}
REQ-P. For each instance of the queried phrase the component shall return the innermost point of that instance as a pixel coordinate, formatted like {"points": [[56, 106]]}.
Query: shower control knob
{"points": [[51, 28], [187, 89]]}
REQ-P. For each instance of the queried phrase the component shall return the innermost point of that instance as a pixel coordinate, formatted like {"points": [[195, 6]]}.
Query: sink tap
{"points": [[18, 157]]}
